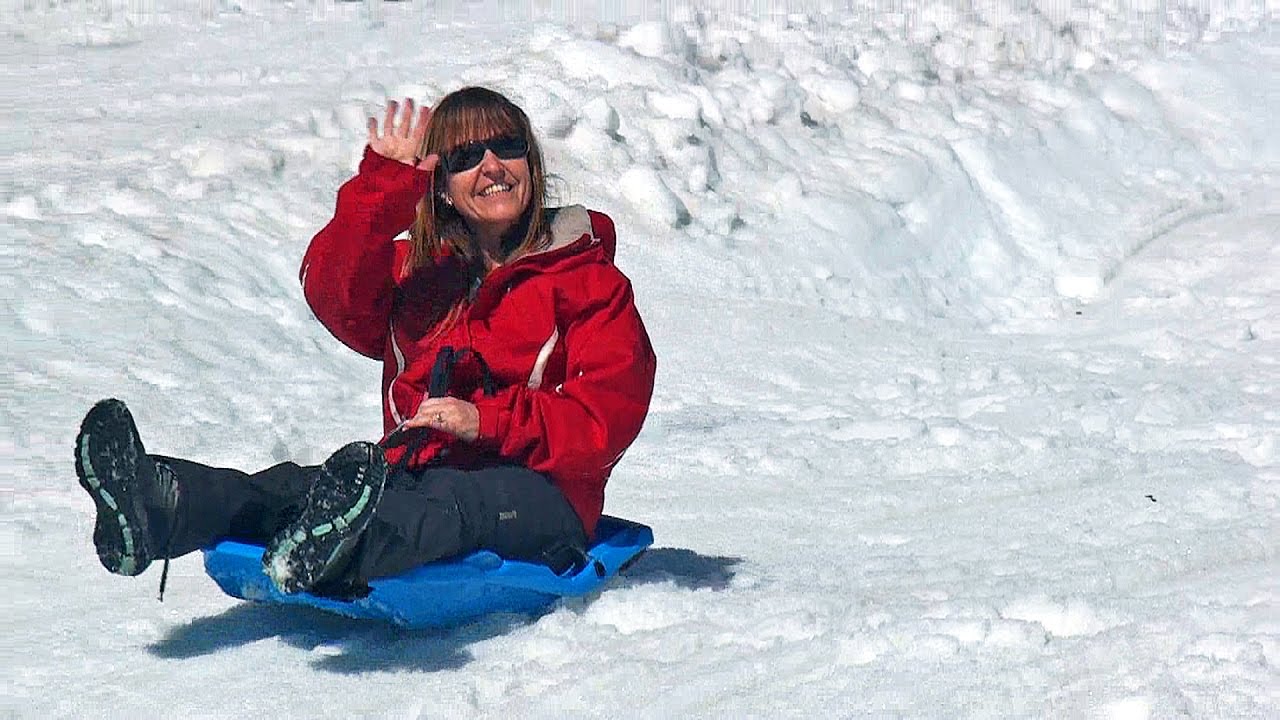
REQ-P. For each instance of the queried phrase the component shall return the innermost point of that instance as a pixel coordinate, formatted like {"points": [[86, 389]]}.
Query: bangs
{"points": [[464, 124]]}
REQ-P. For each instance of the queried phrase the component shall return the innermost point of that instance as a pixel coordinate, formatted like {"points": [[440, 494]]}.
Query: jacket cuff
{"points": [[392, 173], [400, 186]]}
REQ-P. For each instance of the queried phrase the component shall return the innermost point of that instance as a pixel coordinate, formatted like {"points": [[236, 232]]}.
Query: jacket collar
{"points": [[568, 225]]}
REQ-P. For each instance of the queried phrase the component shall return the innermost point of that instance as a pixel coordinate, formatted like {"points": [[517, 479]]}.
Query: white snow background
{"points": [[966, 315]]}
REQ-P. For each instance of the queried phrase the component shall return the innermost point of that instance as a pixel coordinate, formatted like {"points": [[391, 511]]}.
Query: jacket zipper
{"points": [[395, 350]]}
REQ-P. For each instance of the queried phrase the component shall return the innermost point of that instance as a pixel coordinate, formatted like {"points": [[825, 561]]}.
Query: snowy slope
{"points": [[967, 325]]}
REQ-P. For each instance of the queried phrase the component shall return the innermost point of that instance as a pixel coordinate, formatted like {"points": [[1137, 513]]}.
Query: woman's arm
{"points": [[348, 274], [348, 271], [580, 428]]}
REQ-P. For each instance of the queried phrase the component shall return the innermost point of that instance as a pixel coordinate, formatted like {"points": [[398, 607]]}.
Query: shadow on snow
{"points": [[685, 568], [345, 645]]}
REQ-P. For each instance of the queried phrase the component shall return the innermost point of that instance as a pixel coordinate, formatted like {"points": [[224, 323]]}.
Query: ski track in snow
{"points": [[969, 372]]}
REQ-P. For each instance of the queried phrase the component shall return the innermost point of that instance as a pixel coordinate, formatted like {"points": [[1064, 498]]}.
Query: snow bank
{"points": [[979, 162]]}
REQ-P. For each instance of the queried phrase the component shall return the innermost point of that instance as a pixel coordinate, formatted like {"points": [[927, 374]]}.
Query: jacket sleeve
{"points": [[579, 429], [348, 274]]}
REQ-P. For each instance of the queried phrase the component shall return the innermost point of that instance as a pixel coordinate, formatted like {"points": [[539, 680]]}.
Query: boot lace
{"points": [[167, 492]]}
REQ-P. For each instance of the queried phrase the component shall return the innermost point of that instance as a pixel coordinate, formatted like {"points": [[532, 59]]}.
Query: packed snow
{"points": [[967, 317]]}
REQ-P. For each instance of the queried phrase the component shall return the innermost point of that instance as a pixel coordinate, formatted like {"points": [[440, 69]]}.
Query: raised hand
{"points": [[401, 138]]}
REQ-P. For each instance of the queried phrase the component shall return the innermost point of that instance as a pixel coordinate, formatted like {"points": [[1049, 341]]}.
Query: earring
{"points": [[447, 200]]}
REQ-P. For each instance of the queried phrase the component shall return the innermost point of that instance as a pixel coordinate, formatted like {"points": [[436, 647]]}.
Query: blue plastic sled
{"points": [[445, 593]]}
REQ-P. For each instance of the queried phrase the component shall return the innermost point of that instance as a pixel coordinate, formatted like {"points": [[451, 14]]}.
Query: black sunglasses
{"points": [[465, 157]]}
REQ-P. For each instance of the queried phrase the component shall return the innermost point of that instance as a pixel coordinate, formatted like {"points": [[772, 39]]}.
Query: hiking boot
{"points": [[318, 545], [130, 493]]}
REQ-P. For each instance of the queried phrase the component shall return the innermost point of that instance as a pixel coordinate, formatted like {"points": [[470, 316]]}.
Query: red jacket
{"points": [[558, 329]]}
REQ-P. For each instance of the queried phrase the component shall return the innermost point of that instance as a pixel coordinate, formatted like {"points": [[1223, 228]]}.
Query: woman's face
{"points": [[493, 195]]}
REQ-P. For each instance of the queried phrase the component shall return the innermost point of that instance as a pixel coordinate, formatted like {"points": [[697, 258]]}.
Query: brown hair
{"points": [[463, 116]]}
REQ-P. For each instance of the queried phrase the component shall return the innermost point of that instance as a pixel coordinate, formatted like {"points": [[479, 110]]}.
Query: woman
{"points": [[516, 371]]}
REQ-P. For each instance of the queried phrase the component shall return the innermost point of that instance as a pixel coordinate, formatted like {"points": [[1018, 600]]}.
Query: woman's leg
{"points": [[440, 512], [224, 504], [150, 507]]}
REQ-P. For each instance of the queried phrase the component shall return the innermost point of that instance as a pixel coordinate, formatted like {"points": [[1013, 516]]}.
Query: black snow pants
{"points": [[424, 515]]}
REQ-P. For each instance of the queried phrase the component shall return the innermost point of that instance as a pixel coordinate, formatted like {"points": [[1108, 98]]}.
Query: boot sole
{"points": [[339, 507], [107, 449]]}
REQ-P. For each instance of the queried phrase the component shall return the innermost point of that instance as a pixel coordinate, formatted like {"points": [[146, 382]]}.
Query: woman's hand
{"points": [[402, 141], [448, 414]]}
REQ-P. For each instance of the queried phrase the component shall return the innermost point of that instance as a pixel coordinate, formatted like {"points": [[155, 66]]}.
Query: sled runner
{"points": [[449, 592]]}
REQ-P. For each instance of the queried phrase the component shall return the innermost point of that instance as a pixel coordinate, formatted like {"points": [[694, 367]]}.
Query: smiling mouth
{"points": [[495, 189]]}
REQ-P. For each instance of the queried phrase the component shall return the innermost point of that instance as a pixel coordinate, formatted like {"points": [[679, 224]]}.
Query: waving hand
{"points": [[401, 138]]}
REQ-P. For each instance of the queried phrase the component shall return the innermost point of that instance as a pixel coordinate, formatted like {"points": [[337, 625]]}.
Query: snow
{"points": [[967, 321]]}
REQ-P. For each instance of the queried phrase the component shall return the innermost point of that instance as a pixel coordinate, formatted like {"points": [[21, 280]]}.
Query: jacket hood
{"points": [[578, 237], [569, 224]]}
